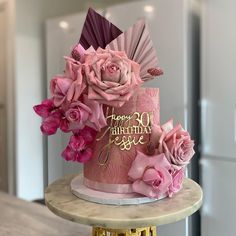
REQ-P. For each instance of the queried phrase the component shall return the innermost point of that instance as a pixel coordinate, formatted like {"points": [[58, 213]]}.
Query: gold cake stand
{"points": [[131, 220]]}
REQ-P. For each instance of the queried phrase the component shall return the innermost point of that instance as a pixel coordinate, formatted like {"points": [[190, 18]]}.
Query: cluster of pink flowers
{"points": [[161, 170], [91, 80]]}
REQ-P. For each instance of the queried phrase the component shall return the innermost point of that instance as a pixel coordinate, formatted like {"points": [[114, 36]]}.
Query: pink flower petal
{"points": [[50, 125], [86, 155], [44, 109]]}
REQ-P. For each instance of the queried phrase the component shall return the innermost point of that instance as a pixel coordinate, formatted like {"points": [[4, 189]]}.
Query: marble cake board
{"points": [[123, 220], [80, 190]]}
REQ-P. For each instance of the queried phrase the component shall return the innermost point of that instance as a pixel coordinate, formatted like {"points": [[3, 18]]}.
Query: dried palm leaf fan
{"points": [[136, 42]]}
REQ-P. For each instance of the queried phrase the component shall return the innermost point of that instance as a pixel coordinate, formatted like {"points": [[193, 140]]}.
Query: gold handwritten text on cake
{"points": [[126, 131]]}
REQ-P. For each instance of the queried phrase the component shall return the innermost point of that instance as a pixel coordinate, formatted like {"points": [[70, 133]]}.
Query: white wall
{"points": [[218, 84]]}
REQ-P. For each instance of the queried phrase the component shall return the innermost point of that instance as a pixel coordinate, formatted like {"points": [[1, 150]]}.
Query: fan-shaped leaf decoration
{"points": [[97, 31], [137, 44]]}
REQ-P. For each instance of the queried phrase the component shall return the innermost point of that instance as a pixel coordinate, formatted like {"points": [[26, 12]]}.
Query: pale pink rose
{"points": [[72, 67], [176, 144], [176, 185], [112, 77], [45, 108], [74, 71], [78, 53], [68, 88], [77, 115], [96, 118], [151, 175], [59, 87], [77, 149]]}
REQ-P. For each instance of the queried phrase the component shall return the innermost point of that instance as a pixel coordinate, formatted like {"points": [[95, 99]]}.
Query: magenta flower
{"points": [[77, 149], [44, 109], [96, 119], [51, 116], [51, 123]]}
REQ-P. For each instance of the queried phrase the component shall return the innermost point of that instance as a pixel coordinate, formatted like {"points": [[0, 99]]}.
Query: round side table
{"points": [[131, 220]]}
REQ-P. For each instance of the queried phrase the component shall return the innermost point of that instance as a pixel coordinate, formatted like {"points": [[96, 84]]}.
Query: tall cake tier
{"points": [[115, 148]]}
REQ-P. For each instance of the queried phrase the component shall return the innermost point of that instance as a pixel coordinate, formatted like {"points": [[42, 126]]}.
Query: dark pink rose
{"points": [[176, 185], [59, 87], [111, 76], [151, 175], [176, 144], [44, 109], [77, 115]]}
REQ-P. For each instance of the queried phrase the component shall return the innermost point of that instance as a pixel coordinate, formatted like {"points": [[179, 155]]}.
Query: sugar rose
{"points": [[77, 115], [176, 185], [151, 175], [111, 76], [176, 144]]}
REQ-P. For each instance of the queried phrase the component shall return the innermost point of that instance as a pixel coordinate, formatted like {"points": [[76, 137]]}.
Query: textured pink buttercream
{"points": [[115, 171]]}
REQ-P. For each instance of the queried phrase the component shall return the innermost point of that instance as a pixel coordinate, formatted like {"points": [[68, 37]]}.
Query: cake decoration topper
{"points": [[125, 131]]}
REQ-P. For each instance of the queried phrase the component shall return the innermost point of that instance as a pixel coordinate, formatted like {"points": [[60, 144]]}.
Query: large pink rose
{"points": [[111, 76], [176, 144], [151, 175]]}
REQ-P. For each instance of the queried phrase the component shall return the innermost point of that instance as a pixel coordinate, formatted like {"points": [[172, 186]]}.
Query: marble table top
{"points": [[63, 203]]}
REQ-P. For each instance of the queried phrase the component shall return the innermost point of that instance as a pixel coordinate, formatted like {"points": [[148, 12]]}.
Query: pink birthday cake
{"points": [[114, 121]]}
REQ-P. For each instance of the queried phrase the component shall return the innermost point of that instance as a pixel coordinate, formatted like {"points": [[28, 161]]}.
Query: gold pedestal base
{"points": [[146, 231]]}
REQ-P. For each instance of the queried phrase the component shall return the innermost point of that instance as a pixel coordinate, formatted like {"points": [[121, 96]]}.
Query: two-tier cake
{"points": [[115, 123]]}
